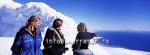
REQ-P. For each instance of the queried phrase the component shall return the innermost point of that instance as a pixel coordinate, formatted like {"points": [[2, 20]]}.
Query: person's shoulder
{"points": [[21, 31], [23, 35], [51, 30]]}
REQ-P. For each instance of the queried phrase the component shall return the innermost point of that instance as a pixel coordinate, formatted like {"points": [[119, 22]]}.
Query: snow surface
{"points": [[13, 15], [6, 43]]}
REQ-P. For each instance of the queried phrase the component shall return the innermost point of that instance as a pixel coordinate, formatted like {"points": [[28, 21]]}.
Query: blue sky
{"points": [[104, 14]]}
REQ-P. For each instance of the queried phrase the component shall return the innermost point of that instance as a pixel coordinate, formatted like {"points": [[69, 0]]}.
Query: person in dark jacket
{"points": [[80, 47], [54, 42], [28, 39]]}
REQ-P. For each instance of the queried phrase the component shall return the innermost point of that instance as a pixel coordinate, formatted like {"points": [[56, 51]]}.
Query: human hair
{"points": [[57, 23], [82, 27], [31, 22], [33, 18]]}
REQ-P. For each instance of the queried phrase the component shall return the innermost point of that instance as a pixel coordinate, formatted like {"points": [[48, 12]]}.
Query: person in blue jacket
{"points": [[28, 39]]}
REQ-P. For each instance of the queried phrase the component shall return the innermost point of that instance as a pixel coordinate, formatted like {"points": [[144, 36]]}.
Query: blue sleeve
{"points": [[16, 47]]}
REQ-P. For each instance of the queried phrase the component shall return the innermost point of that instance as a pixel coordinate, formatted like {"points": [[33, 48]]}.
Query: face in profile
{"points": [[59, 23], [37, 24]]}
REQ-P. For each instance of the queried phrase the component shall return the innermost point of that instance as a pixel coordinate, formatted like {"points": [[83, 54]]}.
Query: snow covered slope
{"points": [[6, 43], [14, 15]]}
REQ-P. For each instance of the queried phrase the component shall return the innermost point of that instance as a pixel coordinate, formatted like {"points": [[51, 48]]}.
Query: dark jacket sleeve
{"points": [[48, 39], [77, 44], [16, 47], [93, 35]]}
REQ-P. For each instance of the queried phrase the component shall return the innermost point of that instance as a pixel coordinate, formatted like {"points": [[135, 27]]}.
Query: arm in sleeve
{"points": [[93, 35], [77, 42], [48, 39], [16, 47]]}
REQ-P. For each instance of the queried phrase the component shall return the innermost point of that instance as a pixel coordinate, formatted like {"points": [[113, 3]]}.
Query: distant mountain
{"points": [[14, 15]]}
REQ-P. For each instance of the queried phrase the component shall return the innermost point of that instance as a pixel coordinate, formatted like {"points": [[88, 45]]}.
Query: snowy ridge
{"points": [[97, 49], [14, 15]]}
